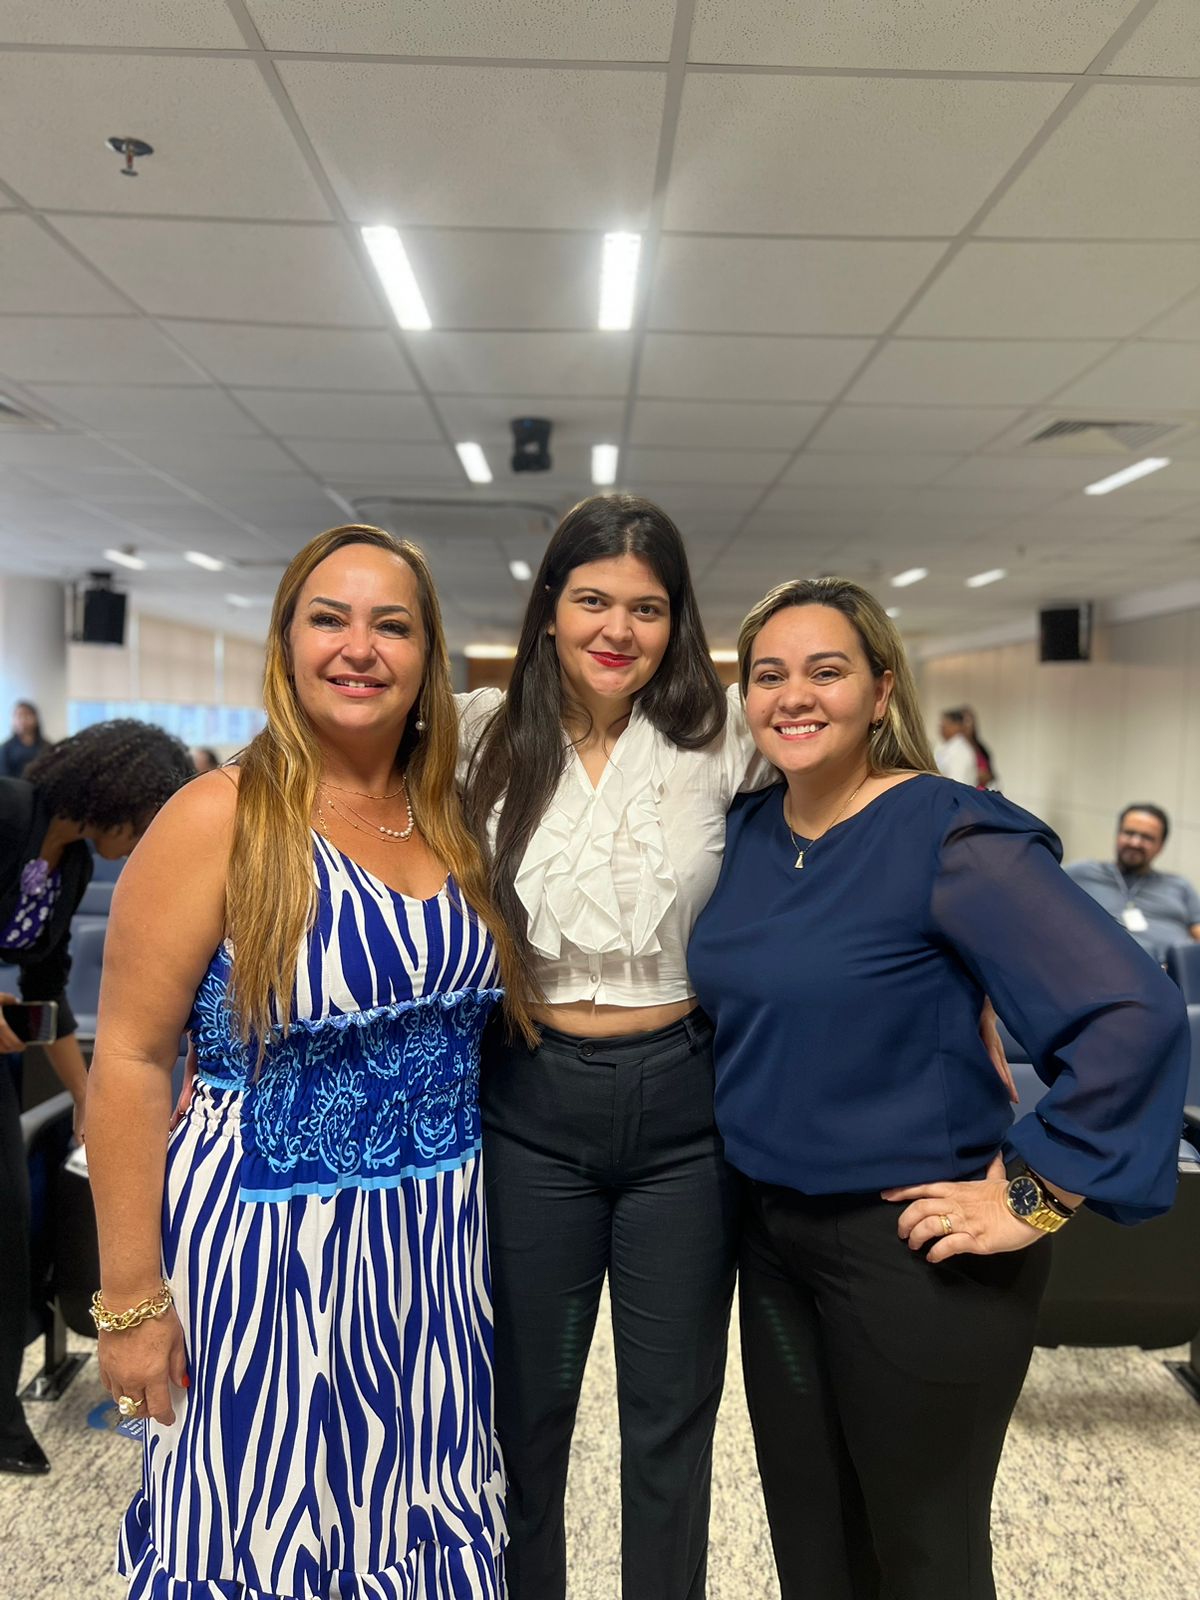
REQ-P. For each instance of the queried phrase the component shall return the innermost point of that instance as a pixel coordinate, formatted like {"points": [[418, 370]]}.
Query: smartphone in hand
{"points": [[33, 1021]]}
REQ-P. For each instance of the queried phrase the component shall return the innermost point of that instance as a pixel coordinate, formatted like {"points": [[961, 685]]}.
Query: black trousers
{"points": [[880, 1389], [600, 1155], [14, 1263]]}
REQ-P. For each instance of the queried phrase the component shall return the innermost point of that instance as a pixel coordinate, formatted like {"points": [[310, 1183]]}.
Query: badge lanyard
{"points": [[1132, 916]]}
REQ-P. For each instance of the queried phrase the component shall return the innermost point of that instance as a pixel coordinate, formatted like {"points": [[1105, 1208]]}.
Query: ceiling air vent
{"points": [[1068, 437]]}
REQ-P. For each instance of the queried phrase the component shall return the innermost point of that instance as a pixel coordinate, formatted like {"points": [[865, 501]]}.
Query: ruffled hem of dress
{"points": [[430, 1571], [565, 881]]}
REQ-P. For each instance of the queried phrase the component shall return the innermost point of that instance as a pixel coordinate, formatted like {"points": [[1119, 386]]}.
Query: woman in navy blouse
{"points": [[888, 1291]]}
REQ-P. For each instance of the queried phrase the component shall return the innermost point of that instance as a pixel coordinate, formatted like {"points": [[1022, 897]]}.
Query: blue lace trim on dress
{"points": [[364, 1099]]}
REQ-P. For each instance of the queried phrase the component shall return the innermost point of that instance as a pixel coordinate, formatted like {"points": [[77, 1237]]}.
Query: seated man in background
{"points": [[955, 755], [1160, 909]]}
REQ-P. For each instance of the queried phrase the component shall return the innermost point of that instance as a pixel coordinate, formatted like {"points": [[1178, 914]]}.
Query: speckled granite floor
{"points": [[1108, 1436]]}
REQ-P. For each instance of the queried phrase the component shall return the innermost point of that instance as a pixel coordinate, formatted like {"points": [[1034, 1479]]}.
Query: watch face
{"points": [[1024, 1196]]}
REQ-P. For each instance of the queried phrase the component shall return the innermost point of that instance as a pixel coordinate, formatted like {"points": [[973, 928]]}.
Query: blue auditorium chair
{"points": [[97, 900], [1192, 1101], [1183, 964], [106, 871], [83, 986]]}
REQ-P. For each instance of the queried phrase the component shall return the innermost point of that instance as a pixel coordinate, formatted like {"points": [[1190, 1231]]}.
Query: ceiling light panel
{"points": [[604, 464], [399, 281], [124, 559], [618, 281], [982, 579], [199, 559], [475, 463], [1139, 469], [912, 575]]}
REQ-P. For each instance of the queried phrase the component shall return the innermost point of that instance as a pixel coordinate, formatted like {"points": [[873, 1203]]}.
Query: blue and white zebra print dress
{"points": [[324, 1235]]}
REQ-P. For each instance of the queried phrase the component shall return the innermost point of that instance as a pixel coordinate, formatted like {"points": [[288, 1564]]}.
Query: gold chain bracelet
{"points": [[121, 1321]]}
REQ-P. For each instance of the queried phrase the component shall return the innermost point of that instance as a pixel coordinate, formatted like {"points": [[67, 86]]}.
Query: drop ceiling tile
{"points": [[763, 154], [1146, 376], [971, 372], [723, 285], [368, 458], [1054, 291], [1021, 472], [705, 466], [120, 409], [267, 272], [524, 363], [56, 450], [680, 501], [522, 28], [1165, 45], [1123, 164], [310, 414], [690, 425], [297, 358], [99, 485], [936, 429], [1135, 500], [473, 279], [56, 110], [745, 367], [1182, 323], [38, 274], [472, 146], [201, 24], [904, 471], [953, 35], [89, 349], [575, 421]]}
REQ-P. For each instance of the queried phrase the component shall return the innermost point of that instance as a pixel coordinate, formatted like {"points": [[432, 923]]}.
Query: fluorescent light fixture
{"points": [[398, 279], [1139, 469], [618, 280], [490, 652], [893, 612], [521, 571], [982, 579], [239, 600], [723, 655], [124, 559], [604, 464], [474, 462], [913, 575], [199, 559]]}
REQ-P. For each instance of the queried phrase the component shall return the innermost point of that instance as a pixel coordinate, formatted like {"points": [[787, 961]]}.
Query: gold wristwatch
{"points": [[1028, 1198]]}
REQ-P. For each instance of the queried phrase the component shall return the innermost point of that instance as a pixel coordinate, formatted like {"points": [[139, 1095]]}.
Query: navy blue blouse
{"points": [[846, 999]]}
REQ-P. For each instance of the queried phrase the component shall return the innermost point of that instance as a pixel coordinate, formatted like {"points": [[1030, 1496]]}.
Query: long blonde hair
{"points": [[270, 900], [899, 743]]}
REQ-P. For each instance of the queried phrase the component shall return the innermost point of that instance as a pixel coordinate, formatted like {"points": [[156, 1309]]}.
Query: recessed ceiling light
{"points": [[399, 281], [618, 280], [893, 612], [723, 655], [604, 464], [521, 571], [912, 575], [125, 558], [199, 559], [474, 462], [982, 579], [490, 652], [239, 600], [1140, 469]]}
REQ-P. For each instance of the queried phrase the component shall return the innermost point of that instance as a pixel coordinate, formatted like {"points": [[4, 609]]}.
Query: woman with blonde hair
{"points": [[295, 1293], [888, 1295]]}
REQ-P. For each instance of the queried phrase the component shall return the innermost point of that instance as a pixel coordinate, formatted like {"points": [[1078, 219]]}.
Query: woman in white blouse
{"points": [[601, 782]]}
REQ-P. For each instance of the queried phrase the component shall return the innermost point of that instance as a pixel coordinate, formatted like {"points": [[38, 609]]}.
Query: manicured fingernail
{"points": [[185, 1381]]}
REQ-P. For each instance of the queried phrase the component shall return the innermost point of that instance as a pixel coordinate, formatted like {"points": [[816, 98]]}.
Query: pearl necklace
{"points": [[375, 829]]}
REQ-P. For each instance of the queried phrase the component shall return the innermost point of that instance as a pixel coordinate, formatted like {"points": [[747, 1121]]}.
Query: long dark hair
{"points": [[520, 756]]}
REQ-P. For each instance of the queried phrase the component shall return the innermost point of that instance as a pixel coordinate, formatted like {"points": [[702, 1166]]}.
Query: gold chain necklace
{"points": [[375, 830], [363, 794], [800, 850]]}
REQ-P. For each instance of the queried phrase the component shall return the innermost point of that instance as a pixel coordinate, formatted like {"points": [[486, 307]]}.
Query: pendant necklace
{"points": [[800, 849], [363, 825]]}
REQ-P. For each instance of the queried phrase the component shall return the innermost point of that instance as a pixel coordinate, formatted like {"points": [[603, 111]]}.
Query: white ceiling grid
{"points": [[883, 247]]}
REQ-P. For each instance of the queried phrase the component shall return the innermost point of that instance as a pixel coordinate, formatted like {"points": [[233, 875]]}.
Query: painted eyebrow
{"points": [[590, 588], [340, 605]]}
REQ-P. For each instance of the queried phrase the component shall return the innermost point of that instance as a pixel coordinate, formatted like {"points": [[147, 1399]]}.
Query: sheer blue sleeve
{"points": [[1105, 1027]]}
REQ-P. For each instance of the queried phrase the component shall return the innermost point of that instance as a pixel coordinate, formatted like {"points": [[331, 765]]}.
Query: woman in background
{"points": [[888, 1293], [27, 742]]}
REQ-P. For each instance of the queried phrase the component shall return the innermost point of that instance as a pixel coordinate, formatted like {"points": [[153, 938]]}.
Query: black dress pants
{"points": [[601, 1155], [880, 1389], [14, 1263]]}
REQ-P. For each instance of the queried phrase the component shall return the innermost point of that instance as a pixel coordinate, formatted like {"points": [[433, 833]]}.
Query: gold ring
{"points": [[947, 1225], [127, 1405]]}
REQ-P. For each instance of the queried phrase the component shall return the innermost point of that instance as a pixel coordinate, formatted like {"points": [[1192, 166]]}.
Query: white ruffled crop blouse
{"points": [[616, 874]]}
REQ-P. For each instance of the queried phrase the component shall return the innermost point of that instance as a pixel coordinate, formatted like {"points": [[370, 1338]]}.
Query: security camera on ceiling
{"points": [[531, 444]]}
